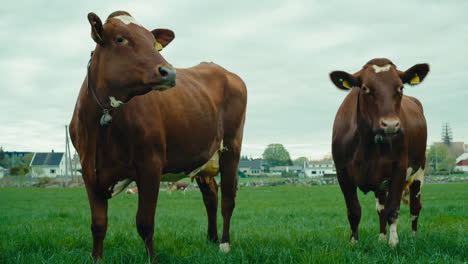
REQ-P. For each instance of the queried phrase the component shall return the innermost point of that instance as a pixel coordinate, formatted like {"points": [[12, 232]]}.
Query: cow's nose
{"points": [[168, 75], [390, 125]]}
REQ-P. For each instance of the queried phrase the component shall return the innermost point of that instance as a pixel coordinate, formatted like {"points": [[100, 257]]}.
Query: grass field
{"points": [[283, 224]]}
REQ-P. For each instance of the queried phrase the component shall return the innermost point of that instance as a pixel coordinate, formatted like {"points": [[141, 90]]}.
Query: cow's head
{"points": [[126, 61], [380, 86]]}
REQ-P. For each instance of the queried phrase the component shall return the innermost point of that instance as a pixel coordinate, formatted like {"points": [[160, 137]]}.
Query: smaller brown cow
{"points": [[182, 186], [379, 142]]}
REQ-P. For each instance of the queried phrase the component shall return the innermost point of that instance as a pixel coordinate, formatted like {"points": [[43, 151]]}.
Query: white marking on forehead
{"points": [[127, 20], [378, 69]]}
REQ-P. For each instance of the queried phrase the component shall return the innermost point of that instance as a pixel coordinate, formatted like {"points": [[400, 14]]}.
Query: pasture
{"points": [[281, 224]]}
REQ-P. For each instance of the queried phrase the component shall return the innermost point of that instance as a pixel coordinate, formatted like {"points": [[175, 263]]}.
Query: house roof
{"points": [[252, 164], [462, 163], [47, 159], [463, 156]]}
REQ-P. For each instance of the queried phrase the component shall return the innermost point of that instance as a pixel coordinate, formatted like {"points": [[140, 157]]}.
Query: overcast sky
{"points": [[283, 50]]}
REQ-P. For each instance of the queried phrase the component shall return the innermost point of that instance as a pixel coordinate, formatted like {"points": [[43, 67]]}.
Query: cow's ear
{"points": [[96, 28], [344, 80], [163, 37], [416, 74]]}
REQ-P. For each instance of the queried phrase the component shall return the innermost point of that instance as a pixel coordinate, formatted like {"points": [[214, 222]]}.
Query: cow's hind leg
{"points": [[380, 198], [415, 204], [148, 189], [229, 162], [210, 198], [349, 190]]}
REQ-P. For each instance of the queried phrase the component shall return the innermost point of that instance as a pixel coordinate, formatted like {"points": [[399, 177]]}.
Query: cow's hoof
{"points": [[353, 241], [393, 242], [224, 248], [382, 237]]}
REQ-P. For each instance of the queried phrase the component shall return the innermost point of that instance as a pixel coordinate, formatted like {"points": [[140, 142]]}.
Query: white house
{"points": [[462, 162], [319, 168], [1, 172], [48, 164]]}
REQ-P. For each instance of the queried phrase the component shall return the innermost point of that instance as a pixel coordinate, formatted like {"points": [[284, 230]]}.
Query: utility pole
{"points": [[68, 158]]}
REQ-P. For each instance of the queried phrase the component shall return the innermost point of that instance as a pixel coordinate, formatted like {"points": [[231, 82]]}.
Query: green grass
{"points": [[284, 224]]}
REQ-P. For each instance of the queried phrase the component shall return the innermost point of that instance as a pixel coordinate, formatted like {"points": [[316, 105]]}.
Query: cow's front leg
{"points": [[148, 189], [380, 198], [392, 207], [98, 206], [349, 190]]}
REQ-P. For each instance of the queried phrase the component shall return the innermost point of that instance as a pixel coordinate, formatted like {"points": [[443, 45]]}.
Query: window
{"points": [[52, 171], [314, 172]]}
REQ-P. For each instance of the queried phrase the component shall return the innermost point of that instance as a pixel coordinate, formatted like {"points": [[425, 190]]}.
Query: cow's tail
{"points": [[405, 195]]}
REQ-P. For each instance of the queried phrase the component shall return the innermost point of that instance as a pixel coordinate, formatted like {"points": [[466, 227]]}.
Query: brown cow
{"points": [[379, 142], [171, 186], [157, 135]]}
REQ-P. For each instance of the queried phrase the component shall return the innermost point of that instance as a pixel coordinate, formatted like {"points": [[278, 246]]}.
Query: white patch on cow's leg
{"points": [[382, 237], [393, 237], [413, 217], [127, 20], [379, 207], [353, 240], [414, 233], [114, 102], [419, 176], [378, 69], [224, 248]]}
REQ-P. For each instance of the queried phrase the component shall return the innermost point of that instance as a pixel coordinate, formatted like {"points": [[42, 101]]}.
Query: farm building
{"points": [[1, 172], [50, 164], [253, 167], [293, 169], [462, 162]]}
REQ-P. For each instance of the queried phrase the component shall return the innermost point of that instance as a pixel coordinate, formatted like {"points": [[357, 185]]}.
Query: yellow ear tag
{"points": [[158, 46], [415, 79], [346, 84]]}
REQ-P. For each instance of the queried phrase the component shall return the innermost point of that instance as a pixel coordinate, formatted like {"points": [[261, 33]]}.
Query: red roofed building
{"points": [[462, 162]]}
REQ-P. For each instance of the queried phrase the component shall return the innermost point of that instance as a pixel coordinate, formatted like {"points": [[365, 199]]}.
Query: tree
{"points": [[2, 155], [446, 134], [27, 159], [439, 159], [277, 155], [300, 161]]}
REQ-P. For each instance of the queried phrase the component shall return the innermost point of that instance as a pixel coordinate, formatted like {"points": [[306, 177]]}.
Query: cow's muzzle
{"points": [[168, 78], [390, 126]]}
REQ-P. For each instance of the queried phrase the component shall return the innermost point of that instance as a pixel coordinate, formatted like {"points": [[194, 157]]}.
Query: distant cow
{"points": [[379, 142], [139, 119], [133, 190], [183, 186]]}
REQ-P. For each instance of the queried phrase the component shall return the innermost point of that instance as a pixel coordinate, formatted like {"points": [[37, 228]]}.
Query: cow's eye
{"points": [[400, 89], [120, 40], [365, 89]]}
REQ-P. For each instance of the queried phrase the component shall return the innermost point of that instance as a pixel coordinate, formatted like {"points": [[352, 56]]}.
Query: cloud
{"points": [[283, 50]]}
